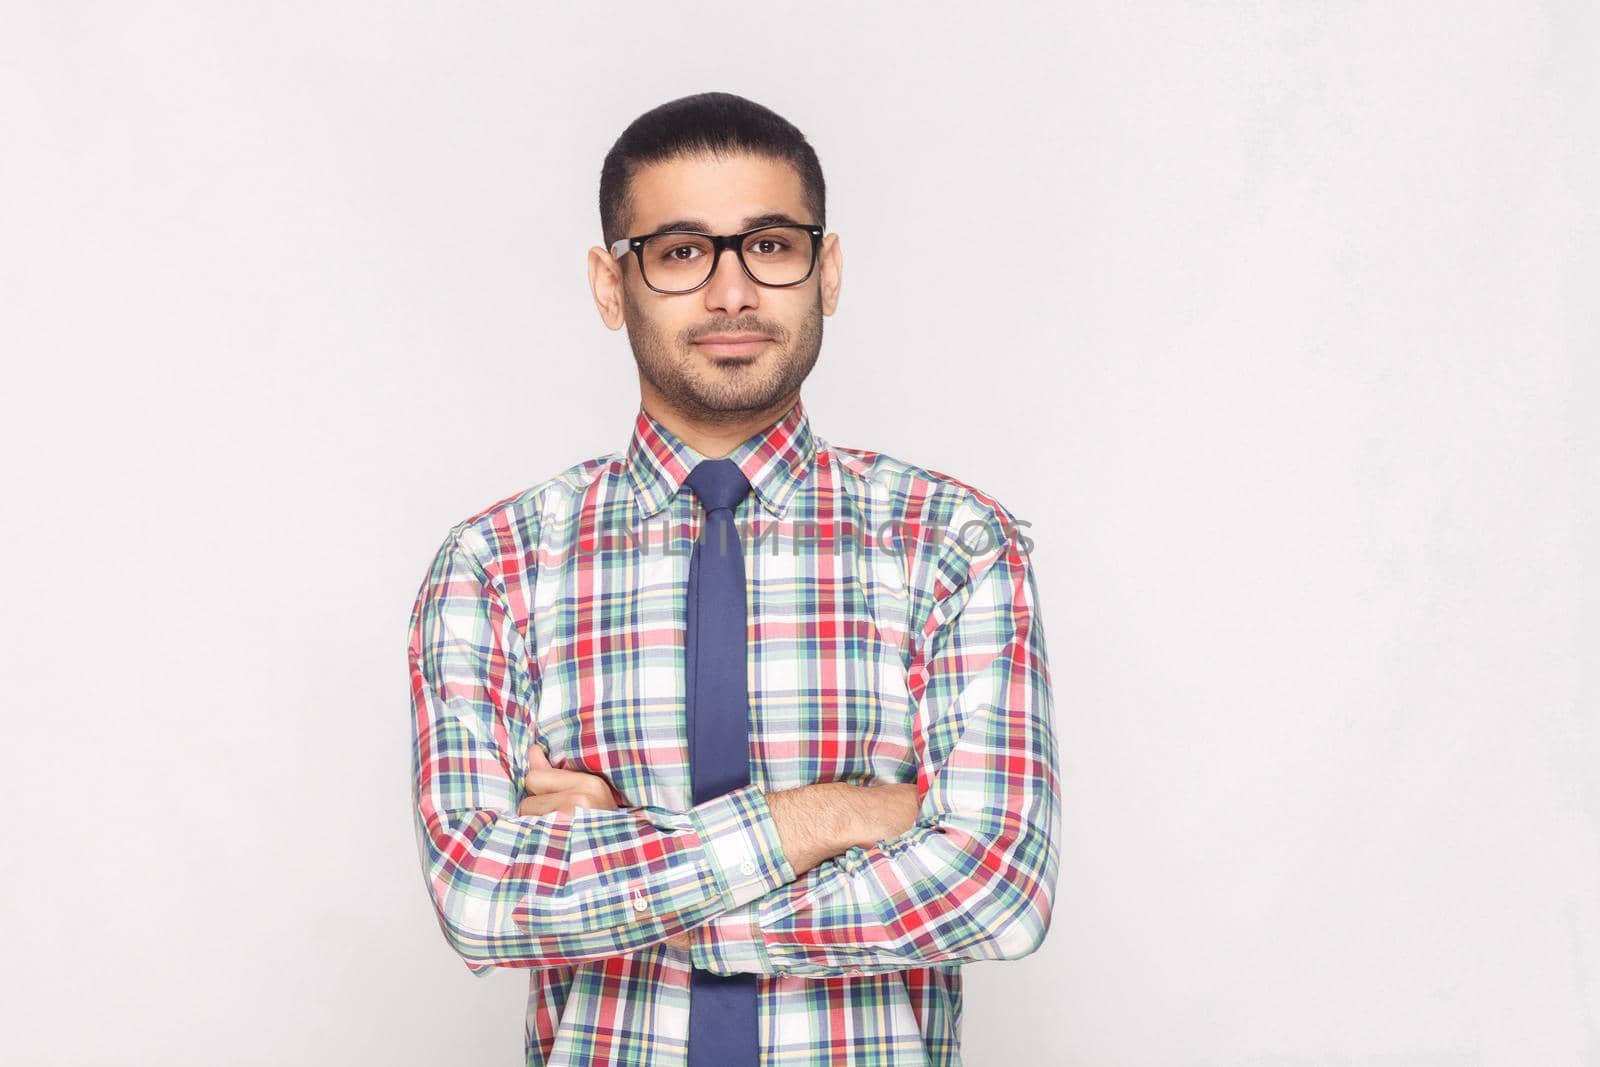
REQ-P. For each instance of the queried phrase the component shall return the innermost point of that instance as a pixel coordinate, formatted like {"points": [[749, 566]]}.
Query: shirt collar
{"points": [[775, 459]]}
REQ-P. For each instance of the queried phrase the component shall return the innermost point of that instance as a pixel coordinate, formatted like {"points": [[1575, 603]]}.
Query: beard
{"points": [[715, 391]]}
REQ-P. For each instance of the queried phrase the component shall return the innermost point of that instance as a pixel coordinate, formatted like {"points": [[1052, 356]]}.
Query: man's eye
{"points": [[674, 253]]}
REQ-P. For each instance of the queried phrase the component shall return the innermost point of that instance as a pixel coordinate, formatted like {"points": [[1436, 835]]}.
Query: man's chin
{"points": [[742, 402]]}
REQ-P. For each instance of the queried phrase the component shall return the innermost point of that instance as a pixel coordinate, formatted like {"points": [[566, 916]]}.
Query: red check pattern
{"points": [[894, 636]]}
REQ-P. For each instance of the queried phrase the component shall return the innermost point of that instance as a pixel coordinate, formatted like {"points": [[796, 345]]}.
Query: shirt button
{"points": [[639, 903], [747, 867]]}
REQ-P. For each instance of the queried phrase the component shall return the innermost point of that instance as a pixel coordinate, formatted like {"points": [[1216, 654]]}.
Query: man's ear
{"points": [[606, 281], [830, 264]]}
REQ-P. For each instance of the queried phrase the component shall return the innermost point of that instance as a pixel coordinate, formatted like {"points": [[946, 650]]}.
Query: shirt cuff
{"points": [[730, 943], [741, 840]]}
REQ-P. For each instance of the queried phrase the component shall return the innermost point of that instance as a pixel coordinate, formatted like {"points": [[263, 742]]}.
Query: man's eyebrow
{"points": [[771, 218]]}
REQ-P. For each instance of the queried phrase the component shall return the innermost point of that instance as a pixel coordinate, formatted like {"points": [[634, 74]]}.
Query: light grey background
{"points": [[1277, 322]]}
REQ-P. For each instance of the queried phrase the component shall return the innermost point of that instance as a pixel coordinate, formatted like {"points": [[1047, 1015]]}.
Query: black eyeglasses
{"points": [[681, 261]]}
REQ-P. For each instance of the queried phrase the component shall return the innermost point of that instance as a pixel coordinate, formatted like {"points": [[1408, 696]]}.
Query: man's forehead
{"points": [[718, 193]]}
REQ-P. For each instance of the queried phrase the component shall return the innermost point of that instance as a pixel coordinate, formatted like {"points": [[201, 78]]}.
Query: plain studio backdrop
{"points": [[1275, 321]]}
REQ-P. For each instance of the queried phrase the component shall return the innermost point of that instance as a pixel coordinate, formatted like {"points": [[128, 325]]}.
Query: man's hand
{"points": [[552, 789]]}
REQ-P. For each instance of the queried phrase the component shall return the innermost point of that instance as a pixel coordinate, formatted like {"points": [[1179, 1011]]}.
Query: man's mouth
{"points": [[732, 344]]}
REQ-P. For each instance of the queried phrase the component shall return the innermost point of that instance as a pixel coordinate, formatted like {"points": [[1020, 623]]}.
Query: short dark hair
{"points": [[705, 123]]}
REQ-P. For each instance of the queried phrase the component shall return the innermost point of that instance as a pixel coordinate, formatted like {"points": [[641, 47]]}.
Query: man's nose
{"points": [[730, 288]]}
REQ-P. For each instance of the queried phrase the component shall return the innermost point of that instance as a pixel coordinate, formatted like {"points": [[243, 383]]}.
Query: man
{"points": [[747, 804]]}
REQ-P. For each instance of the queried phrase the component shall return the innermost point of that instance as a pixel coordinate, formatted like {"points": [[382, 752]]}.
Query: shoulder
{"points": [[922, 497], [511, 526], [948, 530]]}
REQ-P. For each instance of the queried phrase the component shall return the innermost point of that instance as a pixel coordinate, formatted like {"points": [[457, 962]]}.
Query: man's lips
{"points": [[724, 347]]}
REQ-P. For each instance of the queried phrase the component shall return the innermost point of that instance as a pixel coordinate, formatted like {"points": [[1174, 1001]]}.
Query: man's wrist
{"points": [[742, 843], [816, 822]]}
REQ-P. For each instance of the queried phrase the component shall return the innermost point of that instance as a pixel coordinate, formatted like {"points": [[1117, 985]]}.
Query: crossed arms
{"points": [[752, 882]]}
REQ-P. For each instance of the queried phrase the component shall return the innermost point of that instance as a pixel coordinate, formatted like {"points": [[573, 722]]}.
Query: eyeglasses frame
{"points": [[623, 245]]}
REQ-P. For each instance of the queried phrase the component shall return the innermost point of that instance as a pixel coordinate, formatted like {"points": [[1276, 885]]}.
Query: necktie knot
{"points": [[718, 483]]}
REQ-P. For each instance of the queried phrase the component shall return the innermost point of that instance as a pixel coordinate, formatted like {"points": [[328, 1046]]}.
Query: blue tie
{"points": [[722, 1008]]}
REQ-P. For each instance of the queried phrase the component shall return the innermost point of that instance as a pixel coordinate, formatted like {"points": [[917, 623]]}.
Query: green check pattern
{"points": [[894, 636]]}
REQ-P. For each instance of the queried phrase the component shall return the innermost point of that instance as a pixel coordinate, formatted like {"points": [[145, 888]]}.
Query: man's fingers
{"points": [[591, 793], [554, 780], [543, 780], [545, 804], [595, 790], [537, 761]]}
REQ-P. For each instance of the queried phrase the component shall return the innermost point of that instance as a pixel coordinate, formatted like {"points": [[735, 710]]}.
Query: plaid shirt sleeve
{"points": [[516, 890], [975, 878]]}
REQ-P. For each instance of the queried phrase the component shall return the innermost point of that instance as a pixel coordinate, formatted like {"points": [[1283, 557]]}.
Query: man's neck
{"points": [[714, 440]]}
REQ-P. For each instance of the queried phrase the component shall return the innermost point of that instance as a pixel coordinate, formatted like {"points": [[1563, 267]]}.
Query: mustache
{"points": [[776, 333]]}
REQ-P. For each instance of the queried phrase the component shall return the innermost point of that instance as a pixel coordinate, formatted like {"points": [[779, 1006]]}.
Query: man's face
{"points": [[671, 334]]}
